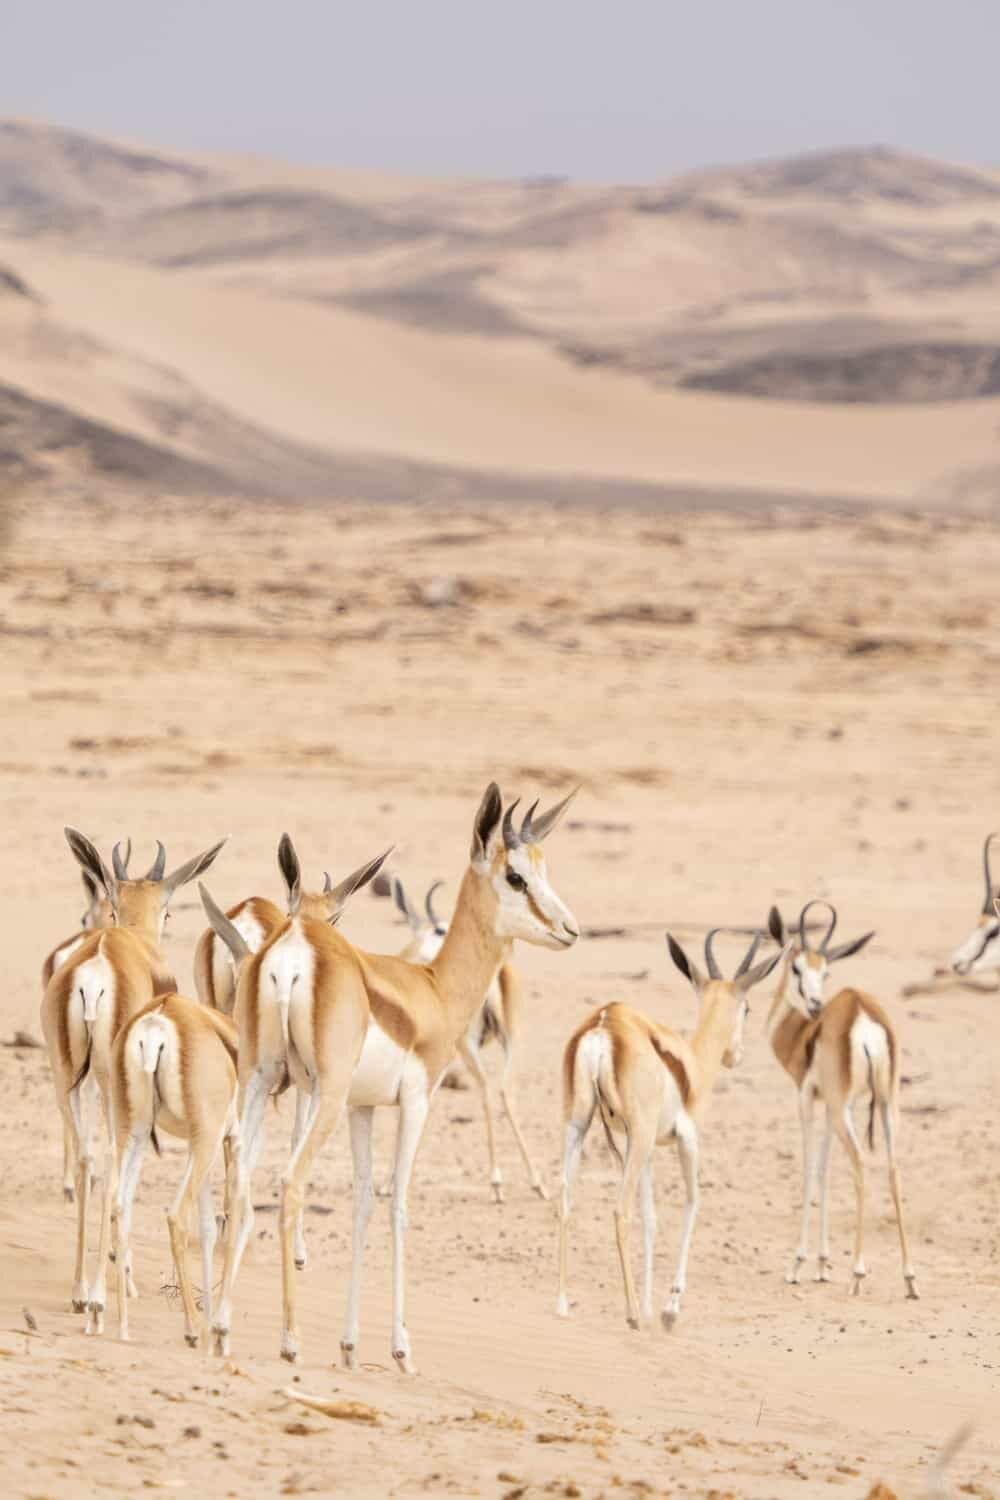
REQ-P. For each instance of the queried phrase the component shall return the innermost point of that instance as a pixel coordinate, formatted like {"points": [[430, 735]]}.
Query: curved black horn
{"points": [[327, 883], [159, 864], [714, 972], [988, 876], [803, 940], [749, 956], [119, 865], [529, 834], [533, 831], [511, 838], [432, 915]]}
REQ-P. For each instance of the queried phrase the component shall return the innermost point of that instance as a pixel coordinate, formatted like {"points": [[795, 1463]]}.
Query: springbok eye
{"points": [[516, 881]]}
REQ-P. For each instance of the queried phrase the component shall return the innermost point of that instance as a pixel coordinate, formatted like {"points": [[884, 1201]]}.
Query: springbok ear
{"points": [[687, 968], [189, 871], [223, 928], [846, 949], [758, 972], [487, 823], [91, 863], [91, 886], [776, 927], [338, 897], [402, 905], [291, 873]]}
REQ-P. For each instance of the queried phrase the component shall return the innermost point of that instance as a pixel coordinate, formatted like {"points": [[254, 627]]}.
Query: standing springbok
{"points": [[110, 976], [978, 954], [836, 1052], [173, 1067], [651, 1085], [361, 1031], [497, 1018]]}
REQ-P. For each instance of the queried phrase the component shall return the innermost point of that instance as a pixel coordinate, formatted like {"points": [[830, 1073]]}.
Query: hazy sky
{"points": [[614, 89]]}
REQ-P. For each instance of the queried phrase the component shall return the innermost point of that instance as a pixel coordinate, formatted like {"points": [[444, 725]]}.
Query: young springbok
{"points": [[836, 1052], [497, 1018], [979, 954], [361, 1031], [173, 1068], [651, 1085], [110, 976]]}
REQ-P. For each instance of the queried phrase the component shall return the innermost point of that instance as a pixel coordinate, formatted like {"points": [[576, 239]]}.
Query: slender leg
{"points": [[128, 1179], [507, 1096], [844, 1126], [95, 1305], [470, 1056], [823, 1175], [360, 1122], [413, 1109], [177, 1227], [572, 1151], [208, 1234], [889, 1127], [322, 1119], [245, 1146], [305, 1110], [806, 1103], [636, 1156], [69, 1159], [687, 1151], [647, 1208], [196, 1174], [73, 1116]]}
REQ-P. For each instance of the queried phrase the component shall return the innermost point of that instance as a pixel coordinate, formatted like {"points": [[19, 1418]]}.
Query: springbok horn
{"points": [[714, 972], [327, 883], [119, 865], [510, 835], [159, 864], [432, 915], [532, 831], [988, 877], [803, 940], [749, 956]]}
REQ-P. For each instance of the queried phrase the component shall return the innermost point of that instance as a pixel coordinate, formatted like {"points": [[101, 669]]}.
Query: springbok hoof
{"points": [[348, 1356], [191, 1339], [541, 1190], [912, 1295], [69, 1196], [632, 1321], [289, 1349], [403, 1362], [95, 1318], [562, 1305], [220, 1342], [497, 1191], [668, 1318], [856, 1284], [80, 1304], [300, 1262], [823, 1270]]}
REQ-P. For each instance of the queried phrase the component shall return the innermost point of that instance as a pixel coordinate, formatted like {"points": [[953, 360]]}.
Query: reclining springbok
{"points": [[497, 1019], [357, 1030], [836, 1052], [651, 1085], [979, 954], [105, 981]]}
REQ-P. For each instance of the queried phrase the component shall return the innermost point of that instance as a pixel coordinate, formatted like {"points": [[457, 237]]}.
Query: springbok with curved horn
{"points": [[110, 976], [173, 1068], [651, 1085], [978, 954], [497, 1018], [361, 1031], [836, 1052]]}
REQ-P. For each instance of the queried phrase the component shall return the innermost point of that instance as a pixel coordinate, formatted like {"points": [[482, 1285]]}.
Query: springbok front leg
{"points": [[637, 1154], [807, 1103], [824, 1259], [687, 1152], [413, 1109], [647, 1208], [576, 1131], [199, 1165], [843, 1124], [470, 1056], [507, 1096], [360, 1121]]}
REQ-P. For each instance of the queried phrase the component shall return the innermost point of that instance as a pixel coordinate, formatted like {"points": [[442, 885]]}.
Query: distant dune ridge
{"points": [[821, 328]]}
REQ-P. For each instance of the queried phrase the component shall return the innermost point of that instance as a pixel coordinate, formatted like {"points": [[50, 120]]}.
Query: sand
{"points": [[757, 711]]}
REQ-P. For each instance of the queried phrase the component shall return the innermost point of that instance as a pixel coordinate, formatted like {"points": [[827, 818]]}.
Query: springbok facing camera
{"points": [[173, 1067], [979, 953], [360, 1031], [651, 1085], [110, 976], [836, 1052], [497, 1018]]}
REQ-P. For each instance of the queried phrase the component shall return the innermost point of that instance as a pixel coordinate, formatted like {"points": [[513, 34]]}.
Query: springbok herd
{"points": [[284, 999]]}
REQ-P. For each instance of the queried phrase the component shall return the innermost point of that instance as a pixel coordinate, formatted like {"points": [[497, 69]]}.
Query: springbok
{"points": [[978, 954], [836, 1052], [361, 1031], [497, 1018], [110, 976], [651, 1085], [173, 1067]]}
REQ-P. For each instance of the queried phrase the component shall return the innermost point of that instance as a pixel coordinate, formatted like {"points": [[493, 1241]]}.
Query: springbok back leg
{"points": [[470, 1056], [889, 1127], [806, 1109], [360, 1121], [575, 1135], [687, 1152], [507, 1097]]}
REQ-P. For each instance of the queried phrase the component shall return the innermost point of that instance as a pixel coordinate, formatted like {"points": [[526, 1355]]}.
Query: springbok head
{"points": [[724, 1001], [138, 903], [981, 949], [809, 964], [429, 931], [328, 904], [511, 860]]}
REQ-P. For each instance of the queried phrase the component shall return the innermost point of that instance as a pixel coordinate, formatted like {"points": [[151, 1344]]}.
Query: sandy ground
{"points": [[757, 712]]}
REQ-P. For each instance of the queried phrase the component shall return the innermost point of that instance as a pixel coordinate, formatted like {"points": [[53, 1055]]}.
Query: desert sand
{"points": [[759, 707]]}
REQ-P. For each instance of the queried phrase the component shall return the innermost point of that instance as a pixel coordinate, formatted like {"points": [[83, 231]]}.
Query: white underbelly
{"points": [[379, 1073]]}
